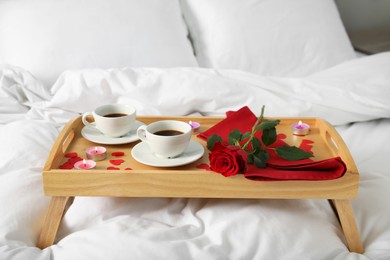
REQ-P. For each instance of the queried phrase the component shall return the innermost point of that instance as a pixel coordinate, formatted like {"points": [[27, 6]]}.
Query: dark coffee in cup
{"points": [[115, 115], [168, 132], [112, 120], [166, 138]]}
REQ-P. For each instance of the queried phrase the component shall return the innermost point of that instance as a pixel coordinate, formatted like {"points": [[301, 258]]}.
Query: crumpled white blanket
{"points": [[357, 90], [353, 95]]}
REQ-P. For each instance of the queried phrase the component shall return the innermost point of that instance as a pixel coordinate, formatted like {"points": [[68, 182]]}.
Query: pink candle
{"points": [[300, 128], [96, 153], [195, 126], [84, 165]]}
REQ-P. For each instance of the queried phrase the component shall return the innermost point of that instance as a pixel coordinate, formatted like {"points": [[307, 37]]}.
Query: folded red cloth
{"points": [[242, 119], [277, 167]]}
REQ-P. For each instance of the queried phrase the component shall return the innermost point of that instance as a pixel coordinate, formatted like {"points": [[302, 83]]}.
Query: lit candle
{"points": [[96, 153], [195, 126], [300, 128], [85, 165]]}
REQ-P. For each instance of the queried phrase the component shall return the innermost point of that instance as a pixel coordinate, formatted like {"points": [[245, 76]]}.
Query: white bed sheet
{"points": [[155, 228]]}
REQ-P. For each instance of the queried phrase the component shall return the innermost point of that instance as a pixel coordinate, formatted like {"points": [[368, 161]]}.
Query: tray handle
{"points": [[61, 145], [337, 145]]}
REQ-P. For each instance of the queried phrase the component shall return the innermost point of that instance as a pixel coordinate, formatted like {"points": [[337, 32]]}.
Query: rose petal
{"points": [[306, 145], [66, 166], [227, 160], [218, 146], [203, 166], [117, 154], [73, 160], [112, 168], [117, 162], [128, 169], [70, 155]]}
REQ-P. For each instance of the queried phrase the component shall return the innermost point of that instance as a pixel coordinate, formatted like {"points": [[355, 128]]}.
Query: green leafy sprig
{"points": [[257, 149]]}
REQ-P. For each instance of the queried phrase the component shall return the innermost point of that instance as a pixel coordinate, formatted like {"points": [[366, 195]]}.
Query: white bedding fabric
{"points": [[354, 95], [47, 37], [267, 37]]}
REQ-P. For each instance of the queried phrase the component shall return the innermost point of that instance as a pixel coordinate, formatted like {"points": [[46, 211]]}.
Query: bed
{"points": [[60, 59]]}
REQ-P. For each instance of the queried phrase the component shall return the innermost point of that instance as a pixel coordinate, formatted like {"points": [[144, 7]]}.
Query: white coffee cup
{"points": [[166, 138], [113, 120]]}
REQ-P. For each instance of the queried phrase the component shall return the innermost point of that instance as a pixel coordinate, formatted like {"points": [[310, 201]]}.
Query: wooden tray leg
{"points": [[344, 212], [57, 209]]}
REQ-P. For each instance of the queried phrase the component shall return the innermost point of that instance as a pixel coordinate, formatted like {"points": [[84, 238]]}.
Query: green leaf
{"points": [[212, 140], [267, 124], [245, 136], [250, 158], [269, 136], [256, 144], [259, 163], [234, 137], [262, 154], [292, 153], [260, 159]]}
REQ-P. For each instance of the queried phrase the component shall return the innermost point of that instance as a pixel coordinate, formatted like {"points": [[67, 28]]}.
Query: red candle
{"points": [[84, 165]]}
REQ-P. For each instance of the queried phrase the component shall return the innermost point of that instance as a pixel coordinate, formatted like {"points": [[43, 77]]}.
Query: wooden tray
{"points": [[189, 181]]}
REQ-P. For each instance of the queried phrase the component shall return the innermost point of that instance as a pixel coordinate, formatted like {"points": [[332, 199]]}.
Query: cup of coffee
{"points": [[166, 138], [113, 120]]}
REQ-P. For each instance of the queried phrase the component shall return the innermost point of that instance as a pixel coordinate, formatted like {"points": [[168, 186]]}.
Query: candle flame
{"points": [[300, 122], [190, 122], [96, 149], [84, 162]]}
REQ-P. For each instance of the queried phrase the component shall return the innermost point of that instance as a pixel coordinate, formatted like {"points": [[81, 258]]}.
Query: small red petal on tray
{"points": [[71, 155], [73, 160], [112, 168], [117, 154], [117, 162], [67, 166], [306, 145], [203, 166], [128, 169]]}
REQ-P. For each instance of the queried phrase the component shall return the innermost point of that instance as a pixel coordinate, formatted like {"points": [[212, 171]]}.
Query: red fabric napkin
{"points": [[277, 167]]}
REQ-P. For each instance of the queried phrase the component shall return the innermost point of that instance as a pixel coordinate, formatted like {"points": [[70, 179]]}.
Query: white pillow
{"points": [[49, 36], [268, 37]]}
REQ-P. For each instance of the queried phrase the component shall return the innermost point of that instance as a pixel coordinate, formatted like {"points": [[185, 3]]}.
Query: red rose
{"points": [[227, 160]]}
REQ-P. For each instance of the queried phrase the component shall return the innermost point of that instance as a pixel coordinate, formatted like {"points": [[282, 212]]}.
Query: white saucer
{"points": [[142, 153], [94, 135]]}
